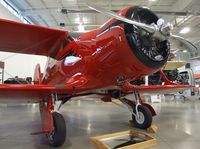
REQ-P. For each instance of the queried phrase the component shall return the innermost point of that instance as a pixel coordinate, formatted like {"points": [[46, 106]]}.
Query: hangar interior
{"points": [[177, 114]]}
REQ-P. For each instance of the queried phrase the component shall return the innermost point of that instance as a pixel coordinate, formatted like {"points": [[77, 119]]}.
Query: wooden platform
{"points": [[124, 140], [152, 129]]}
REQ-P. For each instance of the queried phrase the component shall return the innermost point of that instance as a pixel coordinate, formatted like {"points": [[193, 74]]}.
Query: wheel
{"points": [[144, 118], [57, 137]]}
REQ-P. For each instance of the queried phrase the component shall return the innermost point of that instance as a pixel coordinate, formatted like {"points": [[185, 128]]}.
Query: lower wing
{"points": [[161, 89], [36, 93], [28, 93]]}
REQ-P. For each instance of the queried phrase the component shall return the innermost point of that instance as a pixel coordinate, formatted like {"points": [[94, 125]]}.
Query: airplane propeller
{"points": [[159, 30]]}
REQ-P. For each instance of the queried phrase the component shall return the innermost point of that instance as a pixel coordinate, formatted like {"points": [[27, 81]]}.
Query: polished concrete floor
{"points": [[178, 123]]}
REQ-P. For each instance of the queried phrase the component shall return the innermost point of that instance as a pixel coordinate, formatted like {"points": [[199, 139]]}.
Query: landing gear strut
{"points": [[141, 112], [53, 123]]}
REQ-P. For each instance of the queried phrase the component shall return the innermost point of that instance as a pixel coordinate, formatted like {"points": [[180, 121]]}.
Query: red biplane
{"points": [[132, 44]]}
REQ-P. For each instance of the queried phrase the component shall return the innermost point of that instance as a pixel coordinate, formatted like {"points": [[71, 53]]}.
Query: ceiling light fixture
{"points": [[152, 0], [184, 30], [77, 20], [145, 7], [184, 51], [81, 28]]}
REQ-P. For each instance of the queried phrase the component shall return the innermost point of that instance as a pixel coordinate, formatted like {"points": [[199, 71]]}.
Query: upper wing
{"points": [[162, 89], [30, 39]]}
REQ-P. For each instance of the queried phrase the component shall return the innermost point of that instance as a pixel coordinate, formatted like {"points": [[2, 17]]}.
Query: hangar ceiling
{"points": [[74, 14]]}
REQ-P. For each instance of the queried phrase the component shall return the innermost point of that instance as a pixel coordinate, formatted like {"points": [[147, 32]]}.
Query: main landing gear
{"points": [[53, 123], [141, 112], [143, 118], [57, 136]]}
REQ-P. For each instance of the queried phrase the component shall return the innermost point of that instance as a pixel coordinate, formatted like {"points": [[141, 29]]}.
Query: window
{"points": [[15, 12]]}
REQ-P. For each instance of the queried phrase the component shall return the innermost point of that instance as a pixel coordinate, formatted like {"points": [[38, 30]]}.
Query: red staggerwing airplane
{"points": [[132, 44]]}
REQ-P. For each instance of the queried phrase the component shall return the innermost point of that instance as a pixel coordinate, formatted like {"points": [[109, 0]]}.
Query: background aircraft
{"points": [[132, 44]]}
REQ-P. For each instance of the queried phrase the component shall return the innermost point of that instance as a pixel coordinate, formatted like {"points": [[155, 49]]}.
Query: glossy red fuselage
{"points": [[102, 56]]}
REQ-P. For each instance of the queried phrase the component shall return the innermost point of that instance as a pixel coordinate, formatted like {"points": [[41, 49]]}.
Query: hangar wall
{"points": [[21, 65]]}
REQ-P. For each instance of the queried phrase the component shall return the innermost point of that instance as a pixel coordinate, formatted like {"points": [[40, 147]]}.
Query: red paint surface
{"points": [[102, 55]]}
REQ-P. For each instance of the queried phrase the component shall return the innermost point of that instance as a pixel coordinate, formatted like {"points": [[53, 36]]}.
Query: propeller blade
{"points": [[182, 43], [159, 30], [148, 28]]}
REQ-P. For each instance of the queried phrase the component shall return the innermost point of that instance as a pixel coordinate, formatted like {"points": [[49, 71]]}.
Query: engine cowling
{"points": [[150, 51]]}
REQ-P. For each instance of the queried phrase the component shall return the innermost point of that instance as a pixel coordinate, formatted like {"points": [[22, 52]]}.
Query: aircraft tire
{"points": [[57, 137], [145, 118]]}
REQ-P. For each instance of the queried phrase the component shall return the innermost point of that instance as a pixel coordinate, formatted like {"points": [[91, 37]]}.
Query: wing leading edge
{"points": [[35, 93], [161, 89], [28, 93]]}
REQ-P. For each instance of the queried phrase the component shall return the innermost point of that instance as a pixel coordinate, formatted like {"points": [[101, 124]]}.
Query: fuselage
{"points": [[104, 56]]}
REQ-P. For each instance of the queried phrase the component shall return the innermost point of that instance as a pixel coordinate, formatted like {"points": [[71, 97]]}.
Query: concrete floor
{"points": [[178, 124]]}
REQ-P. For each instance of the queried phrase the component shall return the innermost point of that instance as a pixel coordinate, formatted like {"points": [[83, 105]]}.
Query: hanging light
{"points": [[81, 28], [184, 51], [185, 30]]}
